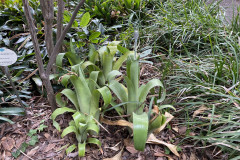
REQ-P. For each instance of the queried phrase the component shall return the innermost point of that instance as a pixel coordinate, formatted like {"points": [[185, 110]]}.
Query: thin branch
{"points": [[61, 5], [52, 59], [33, 33]]}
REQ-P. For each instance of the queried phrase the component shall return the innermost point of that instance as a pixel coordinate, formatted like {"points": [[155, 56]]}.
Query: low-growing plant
{"points": [[85, 98], [133, 98]]}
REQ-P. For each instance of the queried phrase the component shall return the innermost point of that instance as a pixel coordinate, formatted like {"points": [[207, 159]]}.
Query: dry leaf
{"points": [[116, 157], [193, 157], [50, 147], [169, 118], [153, 140], [115, 147], [182, 130], [163, 155], [199, 111], [118, 123], [131, 149], [7, 143], [33, 151]]}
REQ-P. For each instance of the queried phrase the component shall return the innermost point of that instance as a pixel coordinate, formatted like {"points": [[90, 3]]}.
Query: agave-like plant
{"points": [[85, 98], [105, 61], [133, 97]]}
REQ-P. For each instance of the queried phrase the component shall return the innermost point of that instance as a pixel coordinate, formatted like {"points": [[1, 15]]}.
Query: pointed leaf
{"points": [[85, 19], [68, 130]]}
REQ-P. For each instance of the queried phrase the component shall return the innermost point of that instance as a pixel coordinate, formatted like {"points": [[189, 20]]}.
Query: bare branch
{"points": [[52, 59], [33, 33]]}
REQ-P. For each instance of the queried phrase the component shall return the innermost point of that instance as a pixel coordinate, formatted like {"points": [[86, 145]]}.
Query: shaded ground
{"points": [[116, 143]]}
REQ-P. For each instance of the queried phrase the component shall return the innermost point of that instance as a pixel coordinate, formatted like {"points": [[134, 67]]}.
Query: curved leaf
{"points": [[94, 141], [140, 130], [6, 119], [60, 111], [64, 80], [151, 84], [111, 75], [120, 61], [70, 148], [106, 95], [166, 106], [93, 127], [68, 130], [119, 90]]}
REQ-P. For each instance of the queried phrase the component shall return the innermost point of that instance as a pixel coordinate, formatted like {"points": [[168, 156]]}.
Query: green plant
{"points": [[133, 100], [32, 142], [85, 98], [105, 61]]}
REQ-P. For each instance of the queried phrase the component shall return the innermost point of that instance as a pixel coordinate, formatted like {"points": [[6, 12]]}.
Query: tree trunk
{"points": [[48, 15], [43, 75]]}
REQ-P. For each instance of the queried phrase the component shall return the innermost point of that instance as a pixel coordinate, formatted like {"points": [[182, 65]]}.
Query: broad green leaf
{"points": [[119, 90], [107, 63], [106, 95], [59, 60], [83, 93], [94, 141], [60, 111], [81, 149], [12, 111], [151, 84], [156, 123], [123, 50], [140, 131], [71, 148], [93, 127], [85, 19], [71, 95], [94, 35], [68, 130]]}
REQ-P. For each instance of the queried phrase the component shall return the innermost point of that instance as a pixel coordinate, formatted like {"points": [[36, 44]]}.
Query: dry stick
{"points": [[44, 77], [53, 57]]}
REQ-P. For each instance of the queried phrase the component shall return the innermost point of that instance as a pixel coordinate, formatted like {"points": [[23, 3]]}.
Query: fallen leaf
{"points": [[169, 118], [115, 147], [182, 130], [116, 157], [50, 147], [33, 151], [46, 135], [153, 140], [131, 149], [199, 111], [7, 143], [118, 123], [158, 154], [193, 157]]}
